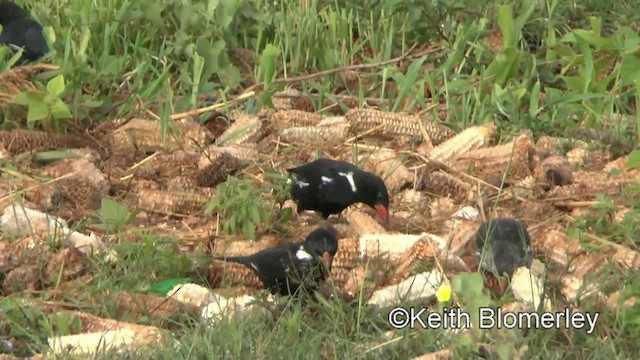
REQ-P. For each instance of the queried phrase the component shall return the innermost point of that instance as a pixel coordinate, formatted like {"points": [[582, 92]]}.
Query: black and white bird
{"points": [[284, 269], [21, 31], [503, 245], [330, 186]]}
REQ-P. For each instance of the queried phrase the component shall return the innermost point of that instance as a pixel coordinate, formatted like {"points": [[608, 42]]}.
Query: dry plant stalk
{"points": [[469, 139]]}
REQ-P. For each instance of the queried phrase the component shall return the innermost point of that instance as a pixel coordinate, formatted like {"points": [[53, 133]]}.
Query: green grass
{"points": [[171, 56]]}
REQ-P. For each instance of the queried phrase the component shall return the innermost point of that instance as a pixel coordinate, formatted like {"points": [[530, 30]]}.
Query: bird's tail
{"points": [[236, 259]]}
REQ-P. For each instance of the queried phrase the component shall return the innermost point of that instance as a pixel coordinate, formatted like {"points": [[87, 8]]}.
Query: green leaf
{"points": [[506, 25], [268, 64], [534, 100], [409, 80], [633, 160], [60, 110], [37, 111], [254, 212], [113, 212], [249, 230], [55, 86], [27, 97], [588, 62], [164, 287]]}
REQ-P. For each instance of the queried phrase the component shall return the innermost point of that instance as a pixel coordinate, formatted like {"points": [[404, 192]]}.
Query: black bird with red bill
{"points": [[287, 268], [21, 31], [503, 245], [330, 186]]}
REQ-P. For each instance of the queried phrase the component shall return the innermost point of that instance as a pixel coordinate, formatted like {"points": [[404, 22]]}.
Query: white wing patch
{"points": [[349, 177], [302, 184], [254, 266], [326, 180], [302, 254]]}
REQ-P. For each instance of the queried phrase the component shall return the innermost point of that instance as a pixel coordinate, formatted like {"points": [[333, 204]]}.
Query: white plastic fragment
{"points": [[420, 286], [467, 213], [217, 310], [527, 284], [18, 220], [194, 294]]}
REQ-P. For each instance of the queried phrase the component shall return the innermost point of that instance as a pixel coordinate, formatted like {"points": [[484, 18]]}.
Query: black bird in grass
{"points": [[21, 31], [330, 186], [284, 269], [503, 246]]}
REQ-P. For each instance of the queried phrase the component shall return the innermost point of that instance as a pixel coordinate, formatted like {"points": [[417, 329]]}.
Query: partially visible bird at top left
{"points": [[19, 30]]}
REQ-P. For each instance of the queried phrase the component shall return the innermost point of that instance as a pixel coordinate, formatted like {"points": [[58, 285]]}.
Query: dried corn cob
{"points": [[348, 255], [444, 354], [460, 233], [244, 247], [22, 278], [146, 135], [330, 135], [394, 124], [242, 152], [614, 298], [361, 223], [446, 185], [64, 265], [82, 168], [512, 157], [155, 307], [374, 245], [171, 164], [586, 191], [284, 100], [418, 287], [284, 119], [105, 334], [245, 130], [166, 202], [222, 273], [413, 198], [385, 164], [17, 141], [218, 171], [469, 139], [422, 250], [556, 245]]}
